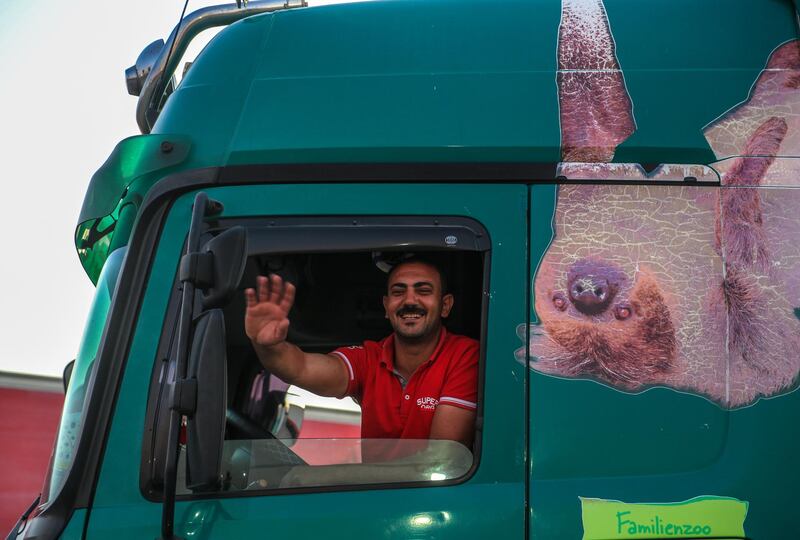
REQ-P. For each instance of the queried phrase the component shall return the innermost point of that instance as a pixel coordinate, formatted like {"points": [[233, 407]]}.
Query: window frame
{"points": [[428, 228]]}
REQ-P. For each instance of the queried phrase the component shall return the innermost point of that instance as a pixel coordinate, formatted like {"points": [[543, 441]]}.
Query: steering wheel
{"points": [[246, 426], [279, 454]]}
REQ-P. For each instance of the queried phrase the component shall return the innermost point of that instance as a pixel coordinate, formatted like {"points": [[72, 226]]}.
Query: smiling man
{"points": [[420, 382]]}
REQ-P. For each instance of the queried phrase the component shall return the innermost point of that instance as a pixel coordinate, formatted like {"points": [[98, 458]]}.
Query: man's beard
{"points": [[418, 335]]}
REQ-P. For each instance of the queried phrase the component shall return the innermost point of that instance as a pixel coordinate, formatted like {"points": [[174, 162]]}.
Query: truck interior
{"points": [[340, 276], [338, 303]]}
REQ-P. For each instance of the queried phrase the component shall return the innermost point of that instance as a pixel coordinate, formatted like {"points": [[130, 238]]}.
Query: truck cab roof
{"points": [[450, 81]]}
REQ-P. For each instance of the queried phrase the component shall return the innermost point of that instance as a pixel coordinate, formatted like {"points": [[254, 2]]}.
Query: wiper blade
{"points": [[17, 529]]}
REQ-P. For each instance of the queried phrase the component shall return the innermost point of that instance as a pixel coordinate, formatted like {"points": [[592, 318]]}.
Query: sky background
{"points": [[64, 106]]}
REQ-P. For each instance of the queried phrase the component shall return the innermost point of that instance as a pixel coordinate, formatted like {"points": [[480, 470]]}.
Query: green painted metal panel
{"points": [[383, 81], [450, 80], [209, 103], [590, 439], [686, 63], [74, 528], [330, 82], [474, 81], [490, 502], [116, 191]]}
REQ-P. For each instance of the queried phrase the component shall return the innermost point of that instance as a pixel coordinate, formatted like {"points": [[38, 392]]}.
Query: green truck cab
{"points": [[614, 188]]}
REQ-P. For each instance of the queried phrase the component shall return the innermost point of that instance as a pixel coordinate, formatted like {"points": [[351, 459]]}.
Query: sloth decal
{"points": [[689, 287]]}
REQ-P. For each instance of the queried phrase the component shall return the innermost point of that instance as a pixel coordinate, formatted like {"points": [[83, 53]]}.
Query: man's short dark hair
{"points": [[427, 261]]}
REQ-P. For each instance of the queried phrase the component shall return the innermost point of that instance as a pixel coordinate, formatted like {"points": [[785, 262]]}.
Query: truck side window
{"points": [[281, 436]]}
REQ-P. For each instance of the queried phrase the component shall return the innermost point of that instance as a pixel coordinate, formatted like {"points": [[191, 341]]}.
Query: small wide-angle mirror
{"points": [[205, 428]]}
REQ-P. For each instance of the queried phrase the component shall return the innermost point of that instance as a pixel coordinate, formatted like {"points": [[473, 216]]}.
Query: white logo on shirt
{"points": [[427, 403]]}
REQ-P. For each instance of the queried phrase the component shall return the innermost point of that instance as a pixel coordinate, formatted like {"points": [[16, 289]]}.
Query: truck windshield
{"points": [[71, 426]]}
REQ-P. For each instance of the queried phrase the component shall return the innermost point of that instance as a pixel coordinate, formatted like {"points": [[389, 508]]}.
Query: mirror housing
{"points": [[136, 75], [229, 255], [206, 427]]}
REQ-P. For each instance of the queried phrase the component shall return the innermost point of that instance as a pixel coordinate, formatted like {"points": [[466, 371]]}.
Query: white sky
{"points": [[63, 106]]}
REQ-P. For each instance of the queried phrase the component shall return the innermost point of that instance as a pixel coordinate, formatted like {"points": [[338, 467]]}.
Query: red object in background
{"points": [[316, 452], [314, 429], [28, 425]]}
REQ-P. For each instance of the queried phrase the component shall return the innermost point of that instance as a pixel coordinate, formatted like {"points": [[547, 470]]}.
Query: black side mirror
{"points": [[67, 374], [229, 251], [205, 428]]}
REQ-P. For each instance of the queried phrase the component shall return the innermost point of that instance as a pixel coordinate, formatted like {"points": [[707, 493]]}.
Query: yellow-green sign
{"points": [[696, 518]]}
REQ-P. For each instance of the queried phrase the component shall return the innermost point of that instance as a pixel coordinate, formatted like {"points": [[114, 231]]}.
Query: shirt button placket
{"points": [[405, 403], [407, 391]]}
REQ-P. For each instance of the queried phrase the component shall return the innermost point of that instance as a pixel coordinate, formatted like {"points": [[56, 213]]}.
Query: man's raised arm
{"points": [[266, 323]]}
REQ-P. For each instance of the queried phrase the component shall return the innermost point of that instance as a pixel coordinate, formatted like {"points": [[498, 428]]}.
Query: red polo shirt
{"points": [[388, 410]]}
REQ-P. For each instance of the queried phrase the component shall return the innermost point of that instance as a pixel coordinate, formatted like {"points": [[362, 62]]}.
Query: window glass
{"points": [[272, 464], [279, 436], [71, 425]]}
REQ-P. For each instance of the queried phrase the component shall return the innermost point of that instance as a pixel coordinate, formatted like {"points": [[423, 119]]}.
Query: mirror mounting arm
{"points": [[203, 207], [184, 397], [198, 269]]}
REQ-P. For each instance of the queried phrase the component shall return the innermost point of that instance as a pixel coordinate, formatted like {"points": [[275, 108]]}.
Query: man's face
{"points": [[414, 302]]}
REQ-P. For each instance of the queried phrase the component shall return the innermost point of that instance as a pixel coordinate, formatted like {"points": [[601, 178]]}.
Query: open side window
{"points": [[279, 437]]}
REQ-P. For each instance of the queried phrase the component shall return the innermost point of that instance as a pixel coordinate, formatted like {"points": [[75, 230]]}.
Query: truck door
{"points": [[282, 479], [646, 420]]}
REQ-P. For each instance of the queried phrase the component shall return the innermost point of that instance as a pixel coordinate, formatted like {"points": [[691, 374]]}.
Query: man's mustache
{"points": [[411, 310]]}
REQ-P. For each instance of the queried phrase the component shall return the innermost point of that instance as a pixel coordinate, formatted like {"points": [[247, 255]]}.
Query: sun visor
{"points": [[115, 193]]}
